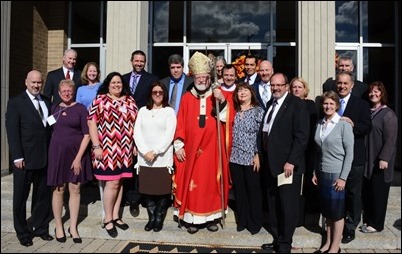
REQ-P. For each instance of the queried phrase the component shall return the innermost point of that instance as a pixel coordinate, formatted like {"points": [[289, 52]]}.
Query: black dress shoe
{"points": [[26, 241], [45, 237], [212, 227], [348, 237], [240, 228], [269, 247], [134, 209]]}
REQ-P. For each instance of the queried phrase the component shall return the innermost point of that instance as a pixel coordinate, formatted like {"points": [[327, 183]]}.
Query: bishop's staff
{"points": [[216, 85]]}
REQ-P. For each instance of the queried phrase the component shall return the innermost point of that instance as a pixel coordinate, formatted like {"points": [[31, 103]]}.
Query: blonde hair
{"points": [[66, 82], [84, 78], [305, 85]]}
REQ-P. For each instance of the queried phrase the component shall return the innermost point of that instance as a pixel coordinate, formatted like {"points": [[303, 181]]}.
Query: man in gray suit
{"points": [[177, 83]]}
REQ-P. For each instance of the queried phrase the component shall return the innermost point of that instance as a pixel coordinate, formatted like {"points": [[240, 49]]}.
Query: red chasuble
{"points": [[196, 184]]}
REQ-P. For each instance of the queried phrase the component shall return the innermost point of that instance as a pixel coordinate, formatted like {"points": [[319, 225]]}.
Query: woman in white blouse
{"points": [[153, 134]]}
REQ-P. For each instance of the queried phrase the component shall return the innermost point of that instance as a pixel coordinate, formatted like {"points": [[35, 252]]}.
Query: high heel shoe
{"points": [[75, 240], [61, 239]]}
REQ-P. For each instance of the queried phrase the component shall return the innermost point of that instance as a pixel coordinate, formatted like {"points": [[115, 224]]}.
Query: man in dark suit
{"points": [[262, 89], [345, 63], [67, 71], [140, 83], [28, 138], [356, 111], [176, 79], [283, 139], [250, 67]]}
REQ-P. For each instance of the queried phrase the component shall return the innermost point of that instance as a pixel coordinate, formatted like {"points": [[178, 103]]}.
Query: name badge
{"points": [[265, 127], [51, 120], [123, 109]]}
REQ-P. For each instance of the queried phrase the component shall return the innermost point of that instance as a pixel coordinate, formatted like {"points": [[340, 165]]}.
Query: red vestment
{"points": [[231, 112], [197, 180]]}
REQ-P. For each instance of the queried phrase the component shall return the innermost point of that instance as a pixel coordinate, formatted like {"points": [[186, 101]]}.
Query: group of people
{"points": [[194, 138]]}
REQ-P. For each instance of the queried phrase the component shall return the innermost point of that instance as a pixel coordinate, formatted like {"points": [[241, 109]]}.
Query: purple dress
{"points": [[67, 133]]}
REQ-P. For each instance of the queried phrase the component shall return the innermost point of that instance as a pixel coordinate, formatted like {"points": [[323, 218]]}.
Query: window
{"points": [[87, 32]]}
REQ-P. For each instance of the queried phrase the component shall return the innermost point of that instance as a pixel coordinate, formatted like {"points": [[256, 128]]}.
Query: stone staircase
{"points": [[306, 237]]}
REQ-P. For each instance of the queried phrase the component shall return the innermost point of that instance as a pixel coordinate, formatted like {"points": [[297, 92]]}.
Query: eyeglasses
{"points": [[157, 92], [66, 92], [277, 85]]}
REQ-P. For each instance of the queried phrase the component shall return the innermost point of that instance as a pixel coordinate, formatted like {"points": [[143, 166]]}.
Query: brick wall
{"points": [[37, 39], [57, 34]]}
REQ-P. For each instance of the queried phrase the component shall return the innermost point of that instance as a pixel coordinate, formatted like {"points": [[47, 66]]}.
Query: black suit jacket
{"points": [[51, 89], [358, 110], [256, 86], [186, 86], [143, 91], [27, 137], [288, 138], [256, 81]]}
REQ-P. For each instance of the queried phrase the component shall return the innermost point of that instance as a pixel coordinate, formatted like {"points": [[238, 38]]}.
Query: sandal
{"points": [[123, 226], [112, 232], [192, 229]]}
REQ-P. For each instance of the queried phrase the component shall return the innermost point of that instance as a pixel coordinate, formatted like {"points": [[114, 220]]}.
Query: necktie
{"points": [[248, 80], [342, 107], [68, 75], [274, 103], [172, 101], [38, 108], [265, 134], [265, 96], [135, 83]]}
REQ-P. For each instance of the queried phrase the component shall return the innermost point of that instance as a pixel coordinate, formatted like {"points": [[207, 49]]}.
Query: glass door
{"points": [[234, 53]]}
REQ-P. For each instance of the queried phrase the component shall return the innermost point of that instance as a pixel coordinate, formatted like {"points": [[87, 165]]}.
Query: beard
{"points": [[201, 87]]}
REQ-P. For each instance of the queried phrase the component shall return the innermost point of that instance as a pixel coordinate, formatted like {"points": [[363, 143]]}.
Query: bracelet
{"points": [[96, 147]]}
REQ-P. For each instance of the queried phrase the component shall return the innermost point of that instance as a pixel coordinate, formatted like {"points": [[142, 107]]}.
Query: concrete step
{"points": [[306, 237]]}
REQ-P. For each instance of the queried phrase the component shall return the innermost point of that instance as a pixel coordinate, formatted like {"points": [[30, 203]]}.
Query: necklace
{"points": [[154, 111]]}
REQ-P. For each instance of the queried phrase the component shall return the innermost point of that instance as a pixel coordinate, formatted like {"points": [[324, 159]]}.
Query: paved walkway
{"points": [[96, 240], [10, 244]]}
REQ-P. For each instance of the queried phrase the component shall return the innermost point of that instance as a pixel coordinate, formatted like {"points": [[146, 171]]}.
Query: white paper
{"points": [[283, 180]]}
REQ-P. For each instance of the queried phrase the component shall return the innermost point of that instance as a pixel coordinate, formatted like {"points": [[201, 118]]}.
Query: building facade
{"points": [[301, 38]]}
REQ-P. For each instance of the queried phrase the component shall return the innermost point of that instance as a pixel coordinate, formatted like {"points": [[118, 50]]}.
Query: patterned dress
{"points": [[115, 122]]}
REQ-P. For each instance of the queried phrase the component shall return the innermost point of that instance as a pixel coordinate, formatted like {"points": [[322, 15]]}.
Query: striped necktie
{"points": [[134, 83]]}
